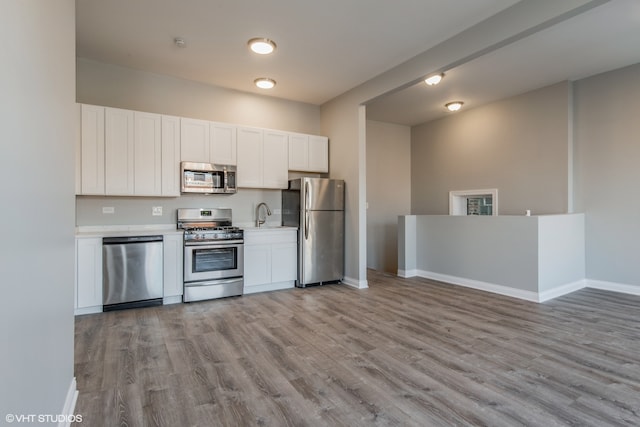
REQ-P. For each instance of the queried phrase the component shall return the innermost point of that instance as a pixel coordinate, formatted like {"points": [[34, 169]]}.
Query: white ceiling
{"points": [[328, 47]]}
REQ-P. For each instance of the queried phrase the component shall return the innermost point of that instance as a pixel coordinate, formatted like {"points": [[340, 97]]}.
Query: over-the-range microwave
{"points": [[207, 178]]}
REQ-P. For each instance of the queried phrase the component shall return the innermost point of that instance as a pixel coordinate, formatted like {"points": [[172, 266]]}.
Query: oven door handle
{"points": [[214, 282], [216, 243]]}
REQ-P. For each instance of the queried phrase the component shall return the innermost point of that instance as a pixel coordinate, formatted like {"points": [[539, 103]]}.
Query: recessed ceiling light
{"points": [[265, 83], [262, 46], [434, 79], [454, 106]]}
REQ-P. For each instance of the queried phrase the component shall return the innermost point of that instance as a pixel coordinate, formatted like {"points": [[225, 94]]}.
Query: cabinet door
{"points": [[275, 160], [78, 152], [147, 156], [170, 156], [318, 154], [257, 265], [172, 275], [89, 272], [92, 149], [250, 164], [119, 152], [223, 144], [194, 141], [284, 262], [298, 152]]}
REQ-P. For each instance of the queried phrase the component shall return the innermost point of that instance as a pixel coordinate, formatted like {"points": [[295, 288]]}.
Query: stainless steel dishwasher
{"points": [[132, 272]]}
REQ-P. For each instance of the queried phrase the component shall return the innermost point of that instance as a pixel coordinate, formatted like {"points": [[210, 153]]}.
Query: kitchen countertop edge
{"points": [[125, 230]]}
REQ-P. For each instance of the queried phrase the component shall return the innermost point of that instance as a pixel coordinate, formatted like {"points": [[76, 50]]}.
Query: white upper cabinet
{"points": [[92, 149], [262, 158], [309, 153], [318, 153], [298, 152], [208, 142], [128, 153], [170, 156], [118, 152], [250, 157], [194, 140], [147, 154], [223, 144], [275, 159]]}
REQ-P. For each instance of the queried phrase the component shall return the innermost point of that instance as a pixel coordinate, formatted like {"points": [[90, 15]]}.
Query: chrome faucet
{"points": [[259, 221]]}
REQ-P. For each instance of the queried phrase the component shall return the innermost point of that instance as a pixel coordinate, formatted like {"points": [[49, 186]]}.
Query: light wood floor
{"points": [[403, 352]]}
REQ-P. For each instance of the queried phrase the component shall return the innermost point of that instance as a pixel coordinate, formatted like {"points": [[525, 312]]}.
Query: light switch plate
{"points": [[108, 209], [156, 211]]}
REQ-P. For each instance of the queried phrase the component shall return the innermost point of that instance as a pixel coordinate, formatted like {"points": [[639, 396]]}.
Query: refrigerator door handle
{"points": [[306, 225], [306, 195]]}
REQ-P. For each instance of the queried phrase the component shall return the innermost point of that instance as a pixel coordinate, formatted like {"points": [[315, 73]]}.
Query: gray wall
{"points": [[137, 210], [37, 82], [500, 250], [518, 145], [113, 86], [388, 191], [607, 151]]}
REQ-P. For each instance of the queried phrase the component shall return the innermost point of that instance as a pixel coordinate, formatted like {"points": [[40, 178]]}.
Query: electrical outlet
{"points": [[108, 209], [156, 211]]}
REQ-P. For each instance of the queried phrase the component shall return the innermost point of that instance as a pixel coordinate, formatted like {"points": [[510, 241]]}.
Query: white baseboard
{"points": [[613, 287], [561, 290], [354, 283], [88, 310], [407, 273], [176, 299], [69, 404], [269, 287], [482, 286]]}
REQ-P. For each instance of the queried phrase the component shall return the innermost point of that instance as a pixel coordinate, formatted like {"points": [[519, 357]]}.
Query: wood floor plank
{"points": [[411, 352]]}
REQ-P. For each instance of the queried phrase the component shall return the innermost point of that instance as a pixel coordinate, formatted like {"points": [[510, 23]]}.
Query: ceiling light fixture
{"points": [[262, 46], [454, 106], [265, 83], [434, 79], [179, 41]]}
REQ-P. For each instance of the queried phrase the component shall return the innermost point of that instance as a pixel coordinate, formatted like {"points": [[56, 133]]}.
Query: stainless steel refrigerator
{"points": [[316, 207]]}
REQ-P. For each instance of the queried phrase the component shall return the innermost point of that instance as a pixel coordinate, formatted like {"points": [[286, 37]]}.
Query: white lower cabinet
{"points": [[88, 275], [270, 259], [88, 295], [172, 273]]}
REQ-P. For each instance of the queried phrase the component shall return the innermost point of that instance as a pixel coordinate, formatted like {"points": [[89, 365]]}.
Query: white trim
{"points": [[88, 310], [176, 299], [458, 200], [561, 290], [267, 287], [354, 283], [407, 273], [483, 286], [69, 404], [613, 287]]}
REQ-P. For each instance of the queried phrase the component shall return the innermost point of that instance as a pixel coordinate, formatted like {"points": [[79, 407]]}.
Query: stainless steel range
{"points": [[213, 254]]}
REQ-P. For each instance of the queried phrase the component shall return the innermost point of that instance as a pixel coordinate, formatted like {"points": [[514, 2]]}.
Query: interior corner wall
{"points": [[518, 145], [37, 82], [388, 191], [607, 149]]}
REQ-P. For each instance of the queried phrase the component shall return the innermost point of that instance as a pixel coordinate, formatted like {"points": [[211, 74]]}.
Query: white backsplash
{"points": [[138, 210]]}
